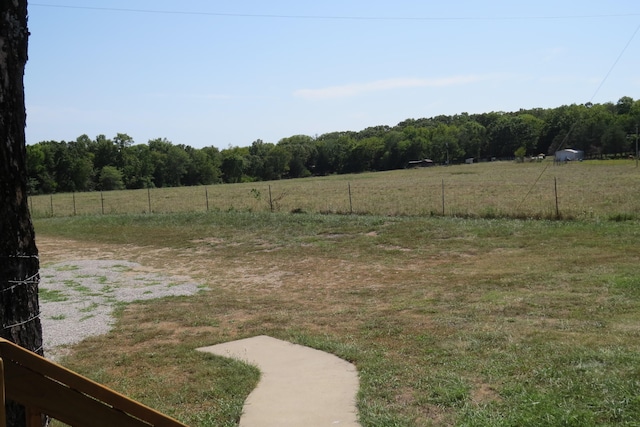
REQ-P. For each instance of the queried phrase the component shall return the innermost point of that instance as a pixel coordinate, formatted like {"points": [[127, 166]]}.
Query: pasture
{"points": [[470, 320], [584, 190]]}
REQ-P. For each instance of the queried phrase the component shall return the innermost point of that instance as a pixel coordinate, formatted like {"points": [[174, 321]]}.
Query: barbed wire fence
{"points": [[552, 198]]}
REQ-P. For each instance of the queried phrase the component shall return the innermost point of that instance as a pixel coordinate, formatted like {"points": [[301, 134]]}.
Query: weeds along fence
{"points": [[502, 189]]}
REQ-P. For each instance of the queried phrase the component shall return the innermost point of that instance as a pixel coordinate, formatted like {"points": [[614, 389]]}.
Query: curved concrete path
{"points": [[299, 386]]}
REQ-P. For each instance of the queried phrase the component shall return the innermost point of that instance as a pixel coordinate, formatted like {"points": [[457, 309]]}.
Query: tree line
{"points": [[108, 164]]}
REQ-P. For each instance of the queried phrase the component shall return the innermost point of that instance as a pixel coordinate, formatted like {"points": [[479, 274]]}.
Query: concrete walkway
{"points": [[299, 386]]}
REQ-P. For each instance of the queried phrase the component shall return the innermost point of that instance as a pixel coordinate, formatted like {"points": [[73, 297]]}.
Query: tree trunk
{"points": [[19, 264]]}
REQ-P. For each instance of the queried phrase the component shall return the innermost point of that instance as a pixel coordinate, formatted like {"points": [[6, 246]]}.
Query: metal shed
{"points": [[568, 155]]}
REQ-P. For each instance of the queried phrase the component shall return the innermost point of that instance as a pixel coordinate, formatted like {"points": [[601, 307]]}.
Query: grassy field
{"points": [[450, 321], [585, 190]]}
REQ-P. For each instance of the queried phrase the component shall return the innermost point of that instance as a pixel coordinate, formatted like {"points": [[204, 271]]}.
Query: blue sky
{"points": [[225, 73]]}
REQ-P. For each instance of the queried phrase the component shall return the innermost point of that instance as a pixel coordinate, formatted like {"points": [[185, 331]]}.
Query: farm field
{"points": [[584, 190], [450, 321]]}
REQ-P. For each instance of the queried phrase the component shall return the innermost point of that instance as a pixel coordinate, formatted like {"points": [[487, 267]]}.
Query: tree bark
{"points": [[19, 263]]}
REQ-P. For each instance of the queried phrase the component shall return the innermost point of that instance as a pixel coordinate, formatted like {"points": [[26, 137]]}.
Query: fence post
{"points": [[555, 189], [206, 196], [102, 202], [51, 202], [270, 199], [442, 196], [350, 201], [149, 199]]}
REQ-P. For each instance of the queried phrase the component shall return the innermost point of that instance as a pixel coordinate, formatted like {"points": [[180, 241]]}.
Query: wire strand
{"points": [[31, 319], [32, 280], [332, 17], [21, 256], [615, 63]]}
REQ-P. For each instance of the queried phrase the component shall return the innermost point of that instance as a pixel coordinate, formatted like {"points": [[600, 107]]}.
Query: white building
{"points": [[569, 154]]}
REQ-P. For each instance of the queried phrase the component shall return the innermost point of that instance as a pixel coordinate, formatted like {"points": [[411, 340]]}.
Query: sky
{"points": [[225, 73]]}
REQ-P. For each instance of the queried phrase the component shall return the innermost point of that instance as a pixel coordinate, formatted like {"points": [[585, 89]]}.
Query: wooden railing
{"points": [[46, 388]]}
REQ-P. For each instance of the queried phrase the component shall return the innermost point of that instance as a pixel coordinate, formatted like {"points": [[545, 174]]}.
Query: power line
{"points": [[566, 137], [606, 77], [334, 17]]}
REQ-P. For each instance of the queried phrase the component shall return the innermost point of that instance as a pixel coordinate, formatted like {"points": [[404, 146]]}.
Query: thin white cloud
{"points": [[188, 95], [355, 89], [553, 54]]}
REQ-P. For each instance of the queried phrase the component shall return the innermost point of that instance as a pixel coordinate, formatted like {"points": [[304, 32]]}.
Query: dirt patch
{"points": [[484, 393]]}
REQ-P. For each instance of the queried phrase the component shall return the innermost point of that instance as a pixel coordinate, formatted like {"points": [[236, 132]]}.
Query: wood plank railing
{"points": [[44, 387]]}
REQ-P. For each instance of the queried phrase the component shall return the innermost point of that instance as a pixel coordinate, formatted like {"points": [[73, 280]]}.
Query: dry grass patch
{"points": [[449, 321]]}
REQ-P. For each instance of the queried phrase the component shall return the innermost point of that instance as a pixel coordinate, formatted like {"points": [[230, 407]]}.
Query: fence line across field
{"points": [[551, 198]]}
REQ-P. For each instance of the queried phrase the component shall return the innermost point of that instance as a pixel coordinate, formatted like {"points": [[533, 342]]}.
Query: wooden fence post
{"points": [[555, 189], [443, 197]]}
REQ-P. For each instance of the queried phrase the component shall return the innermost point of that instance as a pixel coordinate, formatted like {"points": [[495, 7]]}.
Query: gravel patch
{"points": [[77, 298]]}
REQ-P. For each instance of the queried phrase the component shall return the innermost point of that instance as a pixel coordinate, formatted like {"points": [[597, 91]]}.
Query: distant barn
{"points": [[420, 163], [569, 155]]}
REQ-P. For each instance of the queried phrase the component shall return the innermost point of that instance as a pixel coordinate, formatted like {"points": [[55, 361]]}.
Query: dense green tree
{"points": [[234, 160], [598, 129], [122, 142], [418, 144], [511, 132], [444, 144], [215, 159], [365, 155], [258, 152], [633, 118], [488, 119], [276, 164], [81, 164], [110, 178], [614, 141], [201, 169], [394, 155], [302, 155], [63, 168], [558, 123], [472, 139], [139, 167], [170, 163], [589, 131], [333, 151], [104, 152], [373, 131], [624, 105], [39, 168]]}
